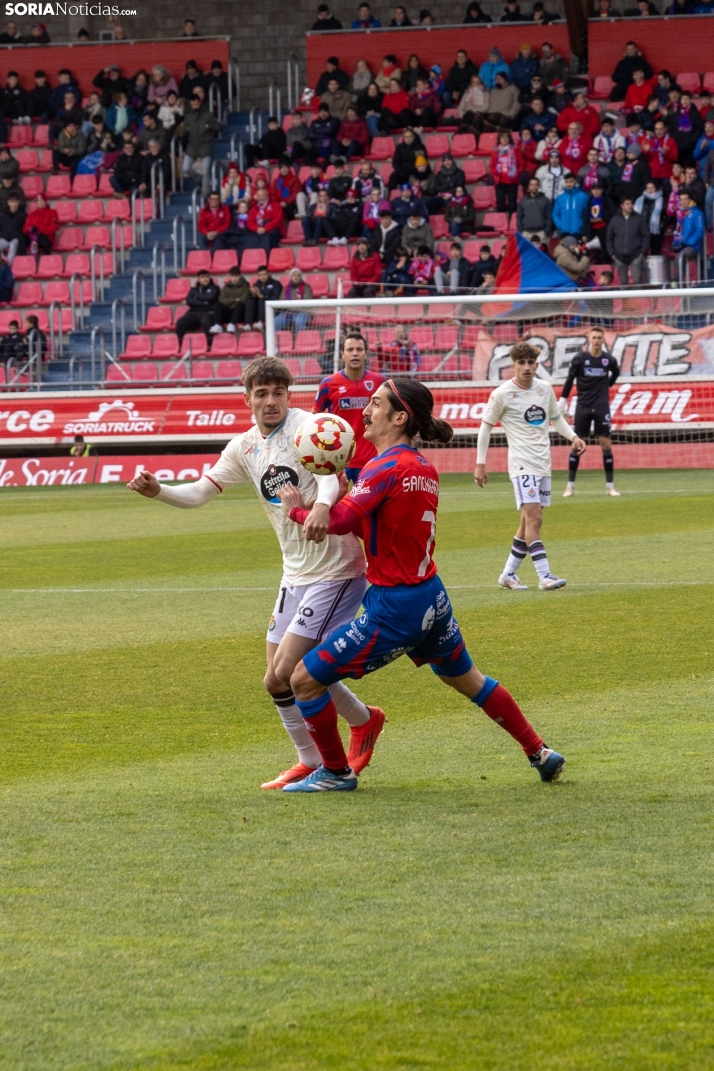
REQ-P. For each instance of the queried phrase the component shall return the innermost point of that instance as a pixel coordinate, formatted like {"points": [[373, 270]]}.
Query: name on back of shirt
{"points": [[420, 483]]}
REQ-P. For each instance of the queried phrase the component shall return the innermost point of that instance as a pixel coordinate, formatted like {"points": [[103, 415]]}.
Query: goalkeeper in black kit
{"points": [[593, 371]]}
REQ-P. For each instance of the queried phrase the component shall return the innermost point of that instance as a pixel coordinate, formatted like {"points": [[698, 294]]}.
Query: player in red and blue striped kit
{"points": [[393, 508], [347, 394]]}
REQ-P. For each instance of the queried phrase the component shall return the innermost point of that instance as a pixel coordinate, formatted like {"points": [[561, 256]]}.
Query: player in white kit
{"points": [[323, 582], [526, 406]]}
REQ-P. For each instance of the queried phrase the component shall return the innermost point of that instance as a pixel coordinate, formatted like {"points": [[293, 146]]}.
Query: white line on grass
{"points": [[453, 587]]}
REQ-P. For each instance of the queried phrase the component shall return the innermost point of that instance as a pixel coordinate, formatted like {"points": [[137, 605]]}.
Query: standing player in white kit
{"points": [[323, 582], [526, 406]]}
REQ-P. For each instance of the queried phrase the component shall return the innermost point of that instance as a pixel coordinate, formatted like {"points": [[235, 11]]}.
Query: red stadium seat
{"points": [[32, 185], [144, 373], [381, 149], [165, 346], [474, 170], [689, 82], [344, 276], [310, 367], [250, 344], [463, 144], [27, 159], [708, 82], [436, 145], [27, 294], [57, 186], [446, 337], [24, 267], [75, 262], [224, 260], [19, 136], [116, 209], [320, 284], [84, 186], [487, 142], [41, 136], [230, 370], [294, 233], [422, 336], [285, 342], [158, 318], [202, 372], [90, 210], [253, 259], [117, 375], [176, 290], [308, 343], [137, 347], [484, 197], [197, 260], [49, 267], [281, 259], [5, 318], [309, 258], [497, 220], [602, 87], [45, 160], [69, 239], [66, 211], [336, 258], [197, 342], [179, 310], [439, 226], [105, 188], [56, 291], [224, 345], [173, 371], [100, 236]]}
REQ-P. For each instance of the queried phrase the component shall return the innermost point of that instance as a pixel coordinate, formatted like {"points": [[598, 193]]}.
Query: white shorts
{"points": [[315, 610], [531, 490]]}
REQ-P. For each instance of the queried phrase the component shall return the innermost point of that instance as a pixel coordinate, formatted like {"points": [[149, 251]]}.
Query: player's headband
{"points": [[390, 383]]}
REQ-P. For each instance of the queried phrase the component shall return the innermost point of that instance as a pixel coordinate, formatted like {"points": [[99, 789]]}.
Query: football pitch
{"points": [[158, 912]]}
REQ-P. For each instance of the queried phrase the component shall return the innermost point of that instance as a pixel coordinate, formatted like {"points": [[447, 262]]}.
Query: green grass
{"points": [[158, 912]]}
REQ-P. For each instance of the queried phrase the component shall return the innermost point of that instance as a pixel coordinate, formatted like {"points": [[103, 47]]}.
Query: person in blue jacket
{"points": [[688, 235], [570, 208], [495, 64], [524, 67], [365, 19], [7, 280]]}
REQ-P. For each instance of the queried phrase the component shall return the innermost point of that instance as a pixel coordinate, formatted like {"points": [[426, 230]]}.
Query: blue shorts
{"points": [[415, 620]]}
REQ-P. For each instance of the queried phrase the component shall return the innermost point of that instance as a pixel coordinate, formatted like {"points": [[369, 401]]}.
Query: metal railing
{"points": [[138, 226], [176, 157], [118, 250], [215, 103], [118, 327], [138, 297], [96, 254], [274, 107], [217, 172], [25, 373], [76, 296], [158, 264], [97, 362], [293, 76], [158, 190], [240, 156], [233, 84], [195, 194], [255, 129], [178, 238]]}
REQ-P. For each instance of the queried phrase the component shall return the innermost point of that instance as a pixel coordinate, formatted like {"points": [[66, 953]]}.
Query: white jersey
{"points": [[270, 463], [525, 417]]}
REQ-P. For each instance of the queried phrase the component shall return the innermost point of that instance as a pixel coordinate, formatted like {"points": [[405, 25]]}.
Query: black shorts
{"points": [[585, 418]]}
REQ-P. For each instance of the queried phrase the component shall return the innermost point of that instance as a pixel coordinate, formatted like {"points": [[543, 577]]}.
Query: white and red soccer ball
{"points": [[325, 444]]}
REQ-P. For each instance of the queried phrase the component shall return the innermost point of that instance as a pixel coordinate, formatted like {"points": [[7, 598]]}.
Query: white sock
{"points": [[540, 561], [295, 727], [609, 485], [348, 706], [519, 549], [571, 484]]}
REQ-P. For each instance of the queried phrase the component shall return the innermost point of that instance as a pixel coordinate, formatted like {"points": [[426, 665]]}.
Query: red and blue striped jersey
{"points": [[349, 398]]}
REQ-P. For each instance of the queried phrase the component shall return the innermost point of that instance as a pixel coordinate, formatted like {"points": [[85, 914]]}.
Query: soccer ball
{"points": [[325, 444]]}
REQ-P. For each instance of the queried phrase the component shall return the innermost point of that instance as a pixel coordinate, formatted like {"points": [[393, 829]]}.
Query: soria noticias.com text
{"points": [[66, 9]]}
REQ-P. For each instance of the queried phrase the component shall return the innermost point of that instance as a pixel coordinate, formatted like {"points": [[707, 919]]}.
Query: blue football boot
{"points": [[322, 780]]}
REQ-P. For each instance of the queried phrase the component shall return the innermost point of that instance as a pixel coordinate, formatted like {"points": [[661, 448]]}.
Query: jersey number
{"points": [[430, 519]]}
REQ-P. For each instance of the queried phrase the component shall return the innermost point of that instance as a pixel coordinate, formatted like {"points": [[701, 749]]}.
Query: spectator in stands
{"points": [[344, 219], [627, 243], [109, 81], [572, 258], [171, 112], [574, 147], [340, 182], [636, 174], [12, 345], [538, 120], [390, 69], [272, 144], [644, 9], [536, 90], [361, 78], [490, 68], [69, 148], [41, 227], [401, 356], [150, 129], [541, 17], [138, 91], [622, 76], [296, 290], [601, 209], [524, 67], [426, 18], [708, 179], [694, 186], [161, 84], [365, 19], [369, 108], [12, 232], [424, 105], [39, 97], [15, 100], [10, 188], [127, 172], [551, 176], [332, 70], [423, 271], [580, 112], [265, 221], [120, 116], [705, 106], [663, 84], [297, 138], [238, 236], [570, 208], [688, 237], [217, 77], [534, 213], [11, 35], [423, 184], [513, 13], [559, 97], [639, 91], [474, 106], [9, 167], [200, 128], [660, 150], [593, 173], [323, 135], [189, 28], [36, 341], [385, 238], [395, 277], [192, 79], [313, 222], [460, 213], [366, 180], [38, 35], [154, 153], [372, 209], [650, 113], [650, 206], [235, 186], [617, 168], [531, 163], [686, 126], [552, 65], [66, 84], [94, 108], [284, 189], [325, 20], [603, 10], [474, 14], [448, 178], [487, 264], [407, 205], [459, 78], [395, 108], [69, 112], [337, 100], [401, 18], [504, 104], [232, 300], [403, 161], [204, 311], [213, 219], [316, 181], [416, 233], [353, 135], [704, 145], [456, 271], [608, 140], [365, 271], [413, 72]]}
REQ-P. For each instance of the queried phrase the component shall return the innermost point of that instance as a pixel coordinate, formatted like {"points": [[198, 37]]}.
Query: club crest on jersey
{"points": [[276, 477], [535, 415], [271, 623], [369, 384]]}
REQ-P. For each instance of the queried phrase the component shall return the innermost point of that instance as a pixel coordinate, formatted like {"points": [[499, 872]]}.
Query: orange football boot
{"points": [[295, 773], [363, 739]]}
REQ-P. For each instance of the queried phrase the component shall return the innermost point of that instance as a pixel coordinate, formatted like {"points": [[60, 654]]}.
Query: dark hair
{"points": [[391, 57], [264, 371], [423, 251], [522, 351], [419, 399], [357, 336], [33, 321], [40, 74]]}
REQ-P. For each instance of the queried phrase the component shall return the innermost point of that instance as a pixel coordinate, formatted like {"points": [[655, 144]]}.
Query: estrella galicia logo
{"points": [[277, 476], [535, 415]]}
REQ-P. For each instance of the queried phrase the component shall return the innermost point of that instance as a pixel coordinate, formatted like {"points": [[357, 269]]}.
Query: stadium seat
{"points": [[27, 159], [28, 294], [45, 160], [436, 145], [105, 188], [137, 347], [487, 142], [32, 185], [320, 284], [224, 260], [253, 259], [84, 186], [197, 341], [344, 277], [49, 267], [336, 257], [65, 315], [116, 209], [382, 148], [230, 370], [5, 317], [284, 340], [202, 372], [497, 220], [294, 233], [602, 87], [19, 136], [689, 82], [179, 310], [386, 173], [474, 170], [144, 373], [281, 259], [117, 375], [484, 197], [69, 239], [56, 291], [100, 236], [463, 144], [90, 210], [173, 371], [708, 82], [24, 267], [66, 211], [165, 346], [158, 318], [311, 367], [176, 290], [86, 288], [308, 343], [41, 136], [57, 186], [224, 345], [197, 260], [250, 344], [471, 250], [294, 366], [439, 226], [75, 262], [505, 332], [423, 336], [309, 258], [446, 337]]}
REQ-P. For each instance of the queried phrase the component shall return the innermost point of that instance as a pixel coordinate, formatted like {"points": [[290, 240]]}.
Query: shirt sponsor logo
{"points": [[276, 477], [443, 606], [353, 403], [535, 415], [354, 634]]}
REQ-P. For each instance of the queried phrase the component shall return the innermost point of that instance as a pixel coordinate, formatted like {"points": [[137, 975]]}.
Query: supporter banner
{"points": [[73, 471], [185, 416], [677, 44], [656, 350]]}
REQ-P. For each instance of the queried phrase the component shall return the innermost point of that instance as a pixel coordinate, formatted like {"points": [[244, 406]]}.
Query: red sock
{"points": [[323, 727], [502, 708]]}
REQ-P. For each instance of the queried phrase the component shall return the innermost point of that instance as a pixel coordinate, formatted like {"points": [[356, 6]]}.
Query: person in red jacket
{"points": [[580, 112], [284, 189], [213, 219], [639, 92], [353, 135], [265, 222], [574, 148], [505, 167], [395, 108], [661, 151], [424, 104], [365, 271], [41, 226]]}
